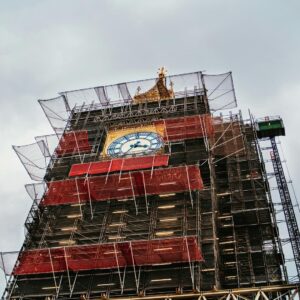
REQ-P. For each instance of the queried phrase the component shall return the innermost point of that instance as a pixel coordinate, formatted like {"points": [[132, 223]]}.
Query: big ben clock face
{"points": [[137, 143]]}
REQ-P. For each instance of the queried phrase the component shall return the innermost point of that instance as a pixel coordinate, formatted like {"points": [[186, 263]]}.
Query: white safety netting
{"points": [[219, 89], [36, 190], [57, 112], [8, 261], [48, 143], [35, 158]]}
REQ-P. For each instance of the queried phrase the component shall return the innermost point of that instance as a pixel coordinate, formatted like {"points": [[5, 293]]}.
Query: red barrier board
{"points": [[190, 127], [119, 164], [73, 142], [120, 186], [111, 255]]}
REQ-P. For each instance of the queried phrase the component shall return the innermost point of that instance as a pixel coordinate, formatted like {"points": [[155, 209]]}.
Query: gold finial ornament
{"points": [[138, 89], [162, 72], [158, 92]]}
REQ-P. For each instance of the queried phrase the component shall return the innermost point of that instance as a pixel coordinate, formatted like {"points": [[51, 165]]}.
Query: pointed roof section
{"points": [[158, 92]]}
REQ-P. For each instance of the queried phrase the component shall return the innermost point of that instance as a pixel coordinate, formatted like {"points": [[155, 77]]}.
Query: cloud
{"points": [[50, 46]]}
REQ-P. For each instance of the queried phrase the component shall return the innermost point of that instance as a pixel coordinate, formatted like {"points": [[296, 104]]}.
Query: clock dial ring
{"points": [[135, 144]]}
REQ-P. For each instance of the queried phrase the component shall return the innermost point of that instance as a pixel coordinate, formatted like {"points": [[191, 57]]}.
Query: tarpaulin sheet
{"points": [[119, 164], [120, 186], [177, 129], [73, 142], [110, 255]]}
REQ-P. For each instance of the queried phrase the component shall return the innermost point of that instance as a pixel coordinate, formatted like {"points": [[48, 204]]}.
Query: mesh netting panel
{"points": [[8, 261], [44, 148], [219, 88], [101, 95], [33, 159], [57, 111], [50, 143], [120, 164], [220, 91], [36, 190], [122, 94], [99, 188], [110, 255]]}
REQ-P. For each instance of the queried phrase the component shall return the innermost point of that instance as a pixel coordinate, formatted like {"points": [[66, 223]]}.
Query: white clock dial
{"points": [[133, 144]]}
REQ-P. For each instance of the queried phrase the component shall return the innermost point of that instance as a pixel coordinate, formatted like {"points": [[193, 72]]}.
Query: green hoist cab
{"points": [[269, 127]]}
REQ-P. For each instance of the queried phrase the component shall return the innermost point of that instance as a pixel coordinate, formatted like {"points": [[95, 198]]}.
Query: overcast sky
{"points": [[50, 46]]}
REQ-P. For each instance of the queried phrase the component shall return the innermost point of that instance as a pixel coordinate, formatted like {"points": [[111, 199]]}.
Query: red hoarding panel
{"points": [[120, 186], [190, 127], [120, 164], [111, 255], [41, 261], [73, 142], [66, 191]]}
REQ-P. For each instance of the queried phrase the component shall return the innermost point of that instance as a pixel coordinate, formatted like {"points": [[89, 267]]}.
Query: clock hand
{"points": [[128, 150], [133, 146], [143, 146], [136, 144]]}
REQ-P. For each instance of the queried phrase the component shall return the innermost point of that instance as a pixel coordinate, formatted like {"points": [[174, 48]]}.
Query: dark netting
{"points": [[8, 261], [102, 96], [219, 88], [36, 190], [50, 143], [35, 158], [44, 148]]}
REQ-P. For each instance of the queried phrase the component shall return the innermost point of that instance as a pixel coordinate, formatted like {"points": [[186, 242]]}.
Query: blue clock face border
{"points": [[135, 144]]}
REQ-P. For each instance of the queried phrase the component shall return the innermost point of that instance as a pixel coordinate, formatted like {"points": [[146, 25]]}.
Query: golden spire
{"points": [[162, 72], [158, 92]]}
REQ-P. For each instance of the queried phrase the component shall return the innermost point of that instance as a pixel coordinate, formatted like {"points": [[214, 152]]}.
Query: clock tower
{"points": [[152, 190]]}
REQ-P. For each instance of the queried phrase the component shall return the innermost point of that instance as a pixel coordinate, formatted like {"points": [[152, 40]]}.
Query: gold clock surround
{"points": [[113, 135]]}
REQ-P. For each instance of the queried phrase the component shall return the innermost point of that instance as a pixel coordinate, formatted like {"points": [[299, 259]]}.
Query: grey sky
{"points": [[50, 46]]}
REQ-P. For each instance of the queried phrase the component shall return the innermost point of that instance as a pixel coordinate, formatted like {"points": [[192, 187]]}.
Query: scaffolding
{"points": [[193, 220], [287, 204], [268, 129]]}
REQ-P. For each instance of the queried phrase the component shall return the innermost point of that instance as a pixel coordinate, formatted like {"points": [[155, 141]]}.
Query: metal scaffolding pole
{"points": [[287, 204]]}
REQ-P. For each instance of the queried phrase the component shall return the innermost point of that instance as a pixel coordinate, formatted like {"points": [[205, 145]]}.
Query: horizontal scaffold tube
{"points": [[217, 294]]}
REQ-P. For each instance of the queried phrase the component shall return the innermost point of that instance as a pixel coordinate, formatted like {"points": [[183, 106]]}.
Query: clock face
{"points": [[138, 143]]}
